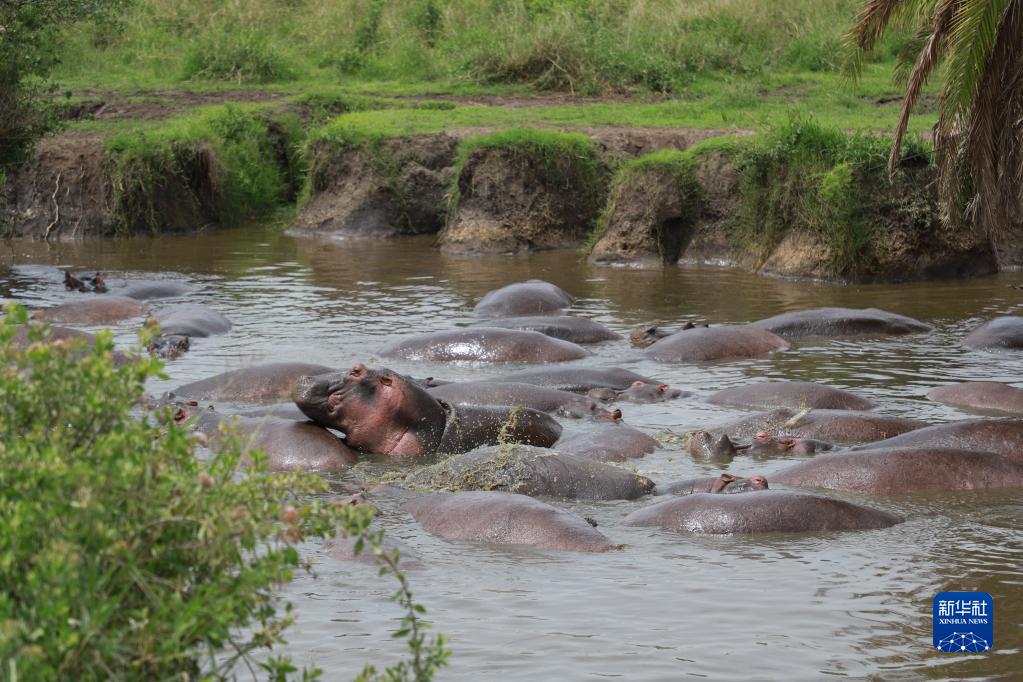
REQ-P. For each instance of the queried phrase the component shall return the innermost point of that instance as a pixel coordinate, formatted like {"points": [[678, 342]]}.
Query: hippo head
{"points": [[646, 334], [703, 443], [642, 392], [378, 410], [603, 394], [757, 482]]}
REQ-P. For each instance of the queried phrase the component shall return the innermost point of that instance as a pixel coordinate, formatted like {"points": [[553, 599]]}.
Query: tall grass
{"points": [[583, 46]]}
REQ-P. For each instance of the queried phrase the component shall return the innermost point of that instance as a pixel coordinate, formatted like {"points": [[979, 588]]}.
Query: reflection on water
{"points": [[667, 606]]}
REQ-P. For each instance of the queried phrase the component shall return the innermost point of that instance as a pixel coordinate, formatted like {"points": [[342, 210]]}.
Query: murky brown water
{"points": [[779, 607]]}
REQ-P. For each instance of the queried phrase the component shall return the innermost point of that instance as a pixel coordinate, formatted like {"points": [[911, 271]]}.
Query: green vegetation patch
{"points": [[803, 175], [231, 161], [124, 555]]}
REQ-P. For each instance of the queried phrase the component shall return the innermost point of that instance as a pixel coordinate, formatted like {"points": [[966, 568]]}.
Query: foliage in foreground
{"points": [[123, 555]]}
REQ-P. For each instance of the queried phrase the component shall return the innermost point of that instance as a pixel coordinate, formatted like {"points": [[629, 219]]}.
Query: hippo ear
{"points": [[385, 379]]}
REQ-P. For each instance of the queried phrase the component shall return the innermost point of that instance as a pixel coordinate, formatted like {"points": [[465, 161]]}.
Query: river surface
{"points": [[666, 607]]}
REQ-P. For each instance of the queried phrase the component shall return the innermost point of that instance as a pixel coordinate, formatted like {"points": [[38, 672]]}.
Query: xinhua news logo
{"points": [[964, 622]]}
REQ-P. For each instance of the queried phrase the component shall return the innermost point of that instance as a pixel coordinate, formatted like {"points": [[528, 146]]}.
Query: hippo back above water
{"points": [[705, 344], [1001, 333], [840, 322], [564, 327], [483, 344], [533, 297]]}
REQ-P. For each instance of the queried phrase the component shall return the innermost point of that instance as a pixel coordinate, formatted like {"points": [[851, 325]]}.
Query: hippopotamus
{"points": [[613, 442], [483, 344], [986, 397], [833, 322], [506, 519], [832, 426], [169, 346], [272, 381], [905, 469], [577, 379], [768, 511], [533, 297], [715, 447], [638, 392], [725, 483], [144, 290], [643, 335], [51, 333], [288, 445], [764, 444], [1001, 436], [93, 310], [1001, 333], [191, 319], [795, 395], [564, 327], [383, 412], [715, 343], [532, 471], [512, 394]]}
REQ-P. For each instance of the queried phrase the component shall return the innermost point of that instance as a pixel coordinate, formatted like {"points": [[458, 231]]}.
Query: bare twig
{"points": [[56, 210]]}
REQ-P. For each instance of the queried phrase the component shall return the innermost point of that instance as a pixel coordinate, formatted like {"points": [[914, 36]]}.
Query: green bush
{"points": [[238, 55], [125, 556]]}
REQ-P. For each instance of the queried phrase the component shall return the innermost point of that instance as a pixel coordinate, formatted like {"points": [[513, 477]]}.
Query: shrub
{"points": [[122, 554], [239, 55]]}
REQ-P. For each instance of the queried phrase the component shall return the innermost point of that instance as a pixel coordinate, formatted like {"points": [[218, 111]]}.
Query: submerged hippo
{"points": [[512, 394], [711, 446], [764, 444], [832, 426], [272, 381], [577, 379], [506, 519], [94, 310], [610, 442], [191, 319], [643, 335], [144, 290], [981, 396], [715, 343], [52, 333], [725, 483], [342, 548], [483, 344], [169, 346], [795, 395], [1001, 436], [1001, 333], [564, 327], [532, 471], [638, 392], [905, 469], [768, 511], [383, 412], [288, 445], [840, 322], [534, 297]]}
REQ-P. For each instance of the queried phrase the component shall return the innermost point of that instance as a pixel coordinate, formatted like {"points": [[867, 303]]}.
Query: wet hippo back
{"points": [[832, 426], [840, 322], [483, 344], [610, 442], [272, 381], [100, 309], [905, 469], [191, 319], [534, 297], [532, 471], [986, 397], [509, 394], [576, 379], [705, 344], [766, 511], [795, 395], [471, 426], [1001, 436], [1001, 333], [506, 519], [564, 327]]}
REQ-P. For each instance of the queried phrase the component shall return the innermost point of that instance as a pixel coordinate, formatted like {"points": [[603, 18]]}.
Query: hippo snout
{"points": [[311, 394]]}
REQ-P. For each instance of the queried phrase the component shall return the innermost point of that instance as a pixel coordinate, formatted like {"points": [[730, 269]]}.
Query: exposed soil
{"points": [[154, 105]]}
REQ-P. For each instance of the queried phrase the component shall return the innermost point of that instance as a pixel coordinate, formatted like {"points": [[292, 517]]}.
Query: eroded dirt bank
{"points": [[627, 197]]}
